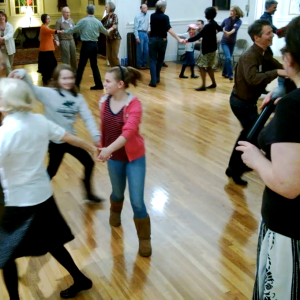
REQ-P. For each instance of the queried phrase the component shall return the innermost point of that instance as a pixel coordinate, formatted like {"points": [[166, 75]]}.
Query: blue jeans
{"points": [[157, 51], [142, 50], [135, 172], [246, 113], [189, 58], [228, 50]]}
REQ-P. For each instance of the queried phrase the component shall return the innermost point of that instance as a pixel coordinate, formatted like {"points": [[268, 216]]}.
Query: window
{"points": [[28, 7]]}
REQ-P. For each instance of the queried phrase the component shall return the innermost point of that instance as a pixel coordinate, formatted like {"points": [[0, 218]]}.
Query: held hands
{"points": [[14, 74], [250, 154], [104, 154], [182, 41]]}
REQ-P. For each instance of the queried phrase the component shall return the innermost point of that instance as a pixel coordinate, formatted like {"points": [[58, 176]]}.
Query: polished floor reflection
{"points": [[204, 228]]}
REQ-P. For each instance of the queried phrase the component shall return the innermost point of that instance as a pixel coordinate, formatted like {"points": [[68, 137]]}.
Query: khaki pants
{"points": [[112, 50], [68, 53], [8, 61]]}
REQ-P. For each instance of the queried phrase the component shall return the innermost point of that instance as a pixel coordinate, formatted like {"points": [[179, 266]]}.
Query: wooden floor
{"points": [[204, 227]]}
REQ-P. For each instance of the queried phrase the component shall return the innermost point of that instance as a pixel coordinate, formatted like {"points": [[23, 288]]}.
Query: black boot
{"points": [[182, 72], [193, 72], [89, 195]]}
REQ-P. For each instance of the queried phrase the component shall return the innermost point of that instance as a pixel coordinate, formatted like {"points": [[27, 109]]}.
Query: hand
{"points": [[138, 41], [14, 74], [57, 43], [105, 154], [267, 100], [60, 31], [282, 73], [250, 153], [115, 26]]}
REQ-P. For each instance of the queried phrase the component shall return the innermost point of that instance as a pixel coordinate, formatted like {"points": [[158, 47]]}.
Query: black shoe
{"points": [[182, 76], [203, 88], [158, 81], [194, 76], [96, 87], [236, 178], [94, 198], [230, 78], [211, 86], [165, 65], [74, 289], [141, 68], [152, 85]]}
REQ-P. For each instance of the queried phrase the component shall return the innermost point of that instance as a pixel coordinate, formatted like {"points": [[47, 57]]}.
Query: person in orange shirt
{"points": [[47, 61]]}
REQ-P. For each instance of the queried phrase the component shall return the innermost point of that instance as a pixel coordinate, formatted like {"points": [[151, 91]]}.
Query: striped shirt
{"points": [[112, 125], [89, 28]]}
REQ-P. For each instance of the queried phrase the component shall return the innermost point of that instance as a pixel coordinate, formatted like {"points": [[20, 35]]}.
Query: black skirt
{"points": [[32, 231], [46, 64]]}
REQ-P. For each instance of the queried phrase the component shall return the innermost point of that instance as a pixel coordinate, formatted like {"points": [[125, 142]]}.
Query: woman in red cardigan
{"points": [[124, 150], [47, 61]]}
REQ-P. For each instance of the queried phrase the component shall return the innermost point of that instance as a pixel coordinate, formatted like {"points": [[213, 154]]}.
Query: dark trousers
{"points": [[89, 51], [157, 51], [56, 154], [246, 113]]}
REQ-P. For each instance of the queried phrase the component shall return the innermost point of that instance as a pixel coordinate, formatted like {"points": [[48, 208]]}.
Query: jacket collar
{"points": [[128, 100]]}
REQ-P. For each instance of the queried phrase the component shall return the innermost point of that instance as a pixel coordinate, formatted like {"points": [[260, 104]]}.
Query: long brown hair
{"points": [[127, 74], [238, 11], [55, 76]]}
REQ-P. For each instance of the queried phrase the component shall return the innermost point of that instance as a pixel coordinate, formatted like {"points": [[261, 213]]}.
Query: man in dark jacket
{"points": [[255, 70], [270, 8]]}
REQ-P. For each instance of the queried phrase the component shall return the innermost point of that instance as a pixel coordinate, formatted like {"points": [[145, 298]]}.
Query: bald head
{"points": [[144, 8], [66, 12]]}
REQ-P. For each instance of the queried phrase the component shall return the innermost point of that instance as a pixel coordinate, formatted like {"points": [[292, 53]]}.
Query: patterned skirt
{"points": [[32, 231], [278, 266], [206, 60]]}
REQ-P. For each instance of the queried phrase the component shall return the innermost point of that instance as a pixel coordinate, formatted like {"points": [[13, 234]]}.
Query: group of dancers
{"points": [[32, 224], [28, 227]]}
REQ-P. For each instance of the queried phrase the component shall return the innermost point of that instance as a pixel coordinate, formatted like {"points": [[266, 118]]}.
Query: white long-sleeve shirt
{"points": [[24, 139]]}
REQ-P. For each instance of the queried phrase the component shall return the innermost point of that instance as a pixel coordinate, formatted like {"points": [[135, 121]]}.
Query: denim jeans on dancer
{"points": [[157, 51], [142, 50], [228, 50], [246, 113], [135, 172]]}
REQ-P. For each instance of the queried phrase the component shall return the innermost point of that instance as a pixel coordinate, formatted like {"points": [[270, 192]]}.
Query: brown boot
{"points": [[143, 228], [115, 213]]}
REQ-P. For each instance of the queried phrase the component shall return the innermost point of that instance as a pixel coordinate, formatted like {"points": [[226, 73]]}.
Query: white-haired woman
{"points": [[113, 40], [32, 224], [7, 42]]}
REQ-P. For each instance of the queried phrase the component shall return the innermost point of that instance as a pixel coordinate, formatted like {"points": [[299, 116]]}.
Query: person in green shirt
{"points": [[89, 28]]}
